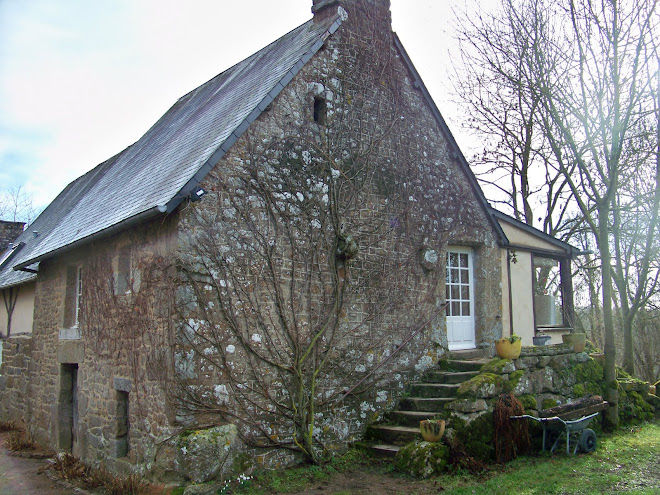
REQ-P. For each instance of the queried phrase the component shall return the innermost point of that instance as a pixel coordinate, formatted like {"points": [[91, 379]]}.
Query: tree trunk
{"points": [[612, 391]]}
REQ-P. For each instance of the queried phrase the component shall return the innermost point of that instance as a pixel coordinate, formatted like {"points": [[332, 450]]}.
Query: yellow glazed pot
{"points": [[432, 429], [506, 350]]}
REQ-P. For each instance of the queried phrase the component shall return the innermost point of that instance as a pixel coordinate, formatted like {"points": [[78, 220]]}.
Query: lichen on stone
{"points": [[422, 459]]}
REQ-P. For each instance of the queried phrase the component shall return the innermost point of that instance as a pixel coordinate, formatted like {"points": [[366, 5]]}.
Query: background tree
{"points": [[584, 71], [16, 205]]}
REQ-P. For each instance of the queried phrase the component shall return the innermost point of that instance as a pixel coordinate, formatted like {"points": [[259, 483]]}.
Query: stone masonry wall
{"points": [[413, 186], [110, 363], [14, 378]]}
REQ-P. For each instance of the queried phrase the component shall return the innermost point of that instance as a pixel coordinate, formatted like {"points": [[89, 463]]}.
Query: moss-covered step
{"points": [[455, 377], [393, 434], [435, 404], [409, 418], [385, 450], [433, 389], [461, 364]]}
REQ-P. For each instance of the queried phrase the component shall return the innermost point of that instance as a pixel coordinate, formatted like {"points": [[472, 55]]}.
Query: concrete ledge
{"points": [[71, 351]]}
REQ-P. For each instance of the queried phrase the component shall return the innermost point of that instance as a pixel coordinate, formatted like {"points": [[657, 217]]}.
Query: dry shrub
{"points": [[129, 485], [459, 459], [20, 440], [8, 426], [70, 467], [511, 437]]}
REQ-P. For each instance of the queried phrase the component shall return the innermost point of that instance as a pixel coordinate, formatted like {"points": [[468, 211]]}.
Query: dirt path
{"points": [[24, 476]]}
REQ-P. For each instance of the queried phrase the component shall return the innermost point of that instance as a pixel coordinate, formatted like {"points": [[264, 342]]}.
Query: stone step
{"points": [[433, 390], [435, 404], [393, 434], [384, 450], [456, 377], [468, 354], [409, 418], [461, 365]]}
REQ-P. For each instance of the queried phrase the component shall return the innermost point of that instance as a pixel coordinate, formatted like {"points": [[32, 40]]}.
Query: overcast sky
{"points": [[82, 79]]}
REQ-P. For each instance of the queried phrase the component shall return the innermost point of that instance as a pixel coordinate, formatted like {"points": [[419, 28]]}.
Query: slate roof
{"points": [[158, 172]]}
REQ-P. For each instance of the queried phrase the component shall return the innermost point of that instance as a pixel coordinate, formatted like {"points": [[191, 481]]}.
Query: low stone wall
{"points": [[16, 361], [544, 377]]}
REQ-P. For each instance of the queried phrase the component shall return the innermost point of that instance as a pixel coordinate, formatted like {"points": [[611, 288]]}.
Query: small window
{"points": [[121, 425], [79, 289], [74, 294], [124, 279], [320, 110]]}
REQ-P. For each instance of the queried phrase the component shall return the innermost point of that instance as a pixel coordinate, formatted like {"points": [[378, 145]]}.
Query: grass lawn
{"points": [[627, 461]]}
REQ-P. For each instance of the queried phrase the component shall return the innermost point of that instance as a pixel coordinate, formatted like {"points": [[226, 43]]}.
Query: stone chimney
{"points": [[374, 9], [9, 231]]}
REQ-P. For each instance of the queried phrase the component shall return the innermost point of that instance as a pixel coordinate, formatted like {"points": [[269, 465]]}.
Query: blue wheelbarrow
{"points": [[554, 428], [570, 421]]}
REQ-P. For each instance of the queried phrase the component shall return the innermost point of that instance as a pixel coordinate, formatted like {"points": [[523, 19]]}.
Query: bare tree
{"points": [[578, 70], [16, 205], [313, 268]]}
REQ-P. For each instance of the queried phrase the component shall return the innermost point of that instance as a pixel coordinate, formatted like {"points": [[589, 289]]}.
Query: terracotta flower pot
{"points": [[432, 429], [578, 340], [507, 350]]}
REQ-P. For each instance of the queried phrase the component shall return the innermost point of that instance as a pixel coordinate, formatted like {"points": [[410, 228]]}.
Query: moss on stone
{"points": [[528, 401], [588, 388], [633, 408], [495, 366], [514, 378], [591, 371], [476, 436], [549, 403], [422, 459], [482, 385]]}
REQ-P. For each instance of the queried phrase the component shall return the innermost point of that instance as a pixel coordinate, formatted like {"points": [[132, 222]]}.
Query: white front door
{"points": [[460, 296]]}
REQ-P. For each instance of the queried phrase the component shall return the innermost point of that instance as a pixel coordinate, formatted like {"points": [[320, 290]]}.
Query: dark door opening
{"points": [[68, 407]]}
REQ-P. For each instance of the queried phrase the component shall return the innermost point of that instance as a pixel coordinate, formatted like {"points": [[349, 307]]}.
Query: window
{"points": [[79, 288], [124, 277], [121, 424], [548, 293], [74, 294], [320, 110]]}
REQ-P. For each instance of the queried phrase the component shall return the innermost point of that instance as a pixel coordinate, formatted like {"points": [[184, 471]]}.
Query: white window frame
{"points": [[78, 295]]}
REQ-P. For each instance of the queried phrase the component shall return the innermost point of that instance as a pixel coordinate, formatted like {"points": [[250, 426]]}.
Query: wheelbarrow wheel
{"points": [[587, 441]]}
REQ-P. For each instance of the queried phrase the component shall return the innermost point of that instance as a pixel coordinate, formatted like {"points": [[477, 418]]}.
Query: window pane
{"points": [[547, 292], [463, 260], [465, 276], [466, 308], [465, 293], [455, 278], [447, 292], [453, 259], [456, 309], [455, 292]]}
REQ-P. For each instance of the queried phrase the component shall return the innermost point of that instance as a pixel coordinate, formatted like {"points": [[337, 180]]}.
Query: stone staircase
{"points": [[426, 399]]}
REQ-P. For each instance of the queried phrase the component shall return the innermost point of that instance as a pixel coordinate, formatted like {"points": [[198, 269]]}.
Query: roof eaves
{"points": [[453, 145], [141, 217], [572, 251], [217, 155]]}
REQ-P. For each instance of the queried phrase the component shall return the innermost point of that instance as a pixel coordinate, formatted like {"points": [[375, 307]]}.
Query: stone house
{"points": [[287, 247]]}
